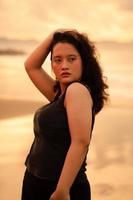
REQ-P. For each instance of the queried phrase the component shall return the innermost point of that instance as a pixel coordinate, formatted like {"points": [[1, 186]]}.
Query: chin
{"points": [[67, 81]]}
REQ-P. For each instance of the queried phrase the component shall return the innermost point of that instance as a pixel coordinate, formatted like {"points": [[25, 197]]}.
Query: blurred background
{"points": [[108, 23]]}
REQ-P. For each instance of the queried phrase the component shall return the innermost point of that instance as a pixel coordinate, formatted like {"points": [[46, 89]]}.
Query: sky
{"points": [[109, 20]]}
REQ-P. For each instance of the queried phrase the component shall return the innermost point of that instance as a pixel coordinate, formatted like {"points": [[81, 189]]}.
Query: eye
{"points": [[57, 60], [71, 59]]}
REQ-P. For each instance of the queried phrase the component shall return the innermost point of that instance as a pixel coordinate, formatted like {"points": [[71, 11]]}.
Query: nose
{"points": [[64, 65]]}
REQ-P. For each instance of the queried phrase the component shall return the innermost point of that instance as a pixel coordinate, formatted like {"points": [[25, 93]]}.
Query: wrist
{"points": [[62, 190]]}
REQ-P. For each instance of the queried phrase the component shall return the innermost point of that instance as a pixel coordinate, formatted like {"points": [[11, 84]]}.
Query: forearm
{"points": [[74, 159], [38, 56]]}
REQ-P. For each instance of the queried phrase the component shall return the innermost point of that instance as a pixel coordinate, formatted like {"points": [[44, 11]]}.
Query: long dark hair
{"points": [[92, 74]]}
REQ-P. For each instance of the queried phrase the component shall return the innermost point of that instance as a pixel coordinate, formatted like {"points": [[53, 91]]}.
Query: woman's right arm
{"points": [[33, 67]]}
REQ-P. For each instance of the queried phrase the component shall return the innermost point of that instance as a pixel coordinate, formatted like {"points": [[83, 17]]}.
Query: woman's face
{"points": [[66, 64]]}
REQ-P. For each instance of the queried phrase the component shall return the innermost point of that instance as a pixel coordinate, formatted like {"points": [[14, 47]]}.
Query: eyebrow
{"points": [[70, 55]]}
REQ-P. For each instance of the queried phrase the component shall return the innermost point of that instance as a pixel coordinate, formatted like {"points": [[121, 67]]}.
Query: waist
{"points": [[46, 161], [35, 177]]}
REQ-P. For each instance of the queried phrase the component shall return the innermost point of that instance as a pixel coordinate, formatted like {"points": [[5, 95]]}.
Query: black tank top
{"points": [[51, 142]]}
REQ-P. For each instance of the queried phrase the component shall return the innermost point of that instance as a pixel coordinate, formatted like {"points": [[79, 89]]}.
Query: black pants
{"points": [[40, 189]]}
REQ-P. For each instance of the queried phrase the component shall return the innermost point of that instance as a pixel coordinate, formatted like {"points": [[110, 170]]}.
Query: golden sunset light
{"points": [[102, 20], [109, 24]]}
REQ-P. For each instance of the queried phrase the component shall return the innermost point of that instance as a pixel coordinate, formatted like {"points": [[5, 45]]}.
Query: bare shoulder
{"points": [[78, 93]]}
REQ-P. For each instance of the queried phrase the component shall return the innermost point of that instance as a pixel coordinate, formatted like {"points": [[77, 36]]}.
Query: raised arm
{"points": [[37, 74]]}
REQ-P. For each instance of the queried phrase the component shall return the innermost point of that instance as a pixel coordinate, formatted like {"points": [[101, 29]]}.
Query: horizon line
{"points": [[38, 40]]}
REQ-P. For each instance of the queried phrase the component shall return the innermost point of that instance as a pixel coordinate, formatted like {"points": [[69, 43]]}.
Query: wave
{"points": [[11, 52]]}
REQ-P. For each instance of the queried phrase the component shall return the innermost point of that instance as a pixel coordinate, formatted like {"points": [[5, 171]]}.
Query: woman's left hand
{"points": [[60, 196]]}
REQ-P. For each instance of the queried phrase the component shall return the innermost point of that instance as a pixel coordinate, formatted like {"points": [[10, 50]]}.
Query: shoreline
{"points": [[109, 168], [12, 108], [19, 107]]}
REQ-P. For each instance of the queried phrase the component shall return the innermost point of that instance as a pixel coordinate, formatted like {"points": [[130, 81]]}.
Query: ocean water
{"points": [[110, 159]]}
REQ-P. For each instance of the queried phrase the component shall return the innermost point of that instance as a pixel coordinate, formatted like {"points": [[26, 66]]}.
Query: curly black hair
{"points": [[92, 75]]}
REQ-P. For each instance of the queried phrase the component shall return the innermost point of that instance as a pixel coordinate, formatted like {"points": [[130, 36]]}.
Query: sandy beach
{"points": [[109, 159], [108, 24]]}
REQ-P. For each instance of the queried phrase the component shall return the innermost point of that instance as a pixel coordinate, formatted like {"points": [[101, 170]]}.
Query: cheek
{"points": [[53, 67], [79, 67], [55, 70]]}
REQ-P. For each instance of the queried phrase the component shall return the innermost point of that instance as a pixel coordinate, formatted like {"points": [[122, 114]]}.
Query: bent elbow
{"points": [[82, 142], [26, 65], [85, 143]]}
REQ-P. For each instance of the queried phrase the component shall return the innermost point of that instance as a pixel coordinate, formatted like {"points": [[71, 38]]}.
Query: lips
{"points": [[65, 74]]}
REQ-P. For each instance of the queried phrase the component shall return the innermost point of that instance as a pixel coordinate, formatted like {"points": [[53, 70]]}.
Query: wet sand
{"points": [[110, 160], [11, 108]]}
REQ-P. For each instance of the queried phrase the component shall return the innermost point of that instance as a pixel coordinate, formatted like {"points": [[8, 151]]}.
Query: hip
{"points": [[35, 188]]}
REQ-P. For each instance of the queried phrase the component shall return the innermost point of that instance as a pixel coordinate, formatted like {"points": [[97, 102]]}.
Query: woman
{"points": [[56, 163]]}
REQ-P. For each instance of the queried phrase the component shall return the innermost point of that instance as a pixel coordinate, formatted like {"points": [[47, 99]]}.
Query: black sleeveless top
{"points": [[51, 142]]}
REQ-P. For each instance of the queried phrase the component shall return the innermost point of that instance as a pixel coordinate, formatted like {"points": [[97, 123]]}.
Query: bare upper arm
{"points": [[78, 103], [43, 82]]}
